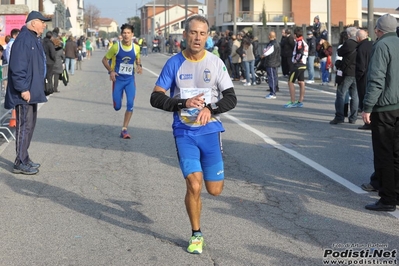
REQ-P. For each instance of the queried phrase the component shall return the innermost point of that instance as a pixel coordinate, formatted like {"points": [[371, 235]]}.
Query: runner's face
{"points": [[127, 35], [196, 36]]}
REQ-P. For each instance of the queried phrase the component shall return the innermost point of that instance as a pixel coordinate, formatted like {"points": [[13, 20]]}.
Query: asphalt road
{"points": [[291, 194]]}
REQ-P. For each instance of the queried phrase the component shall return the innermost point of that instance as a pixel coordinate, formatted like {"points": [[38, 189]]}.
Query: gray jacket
{"points": [[382, 91], [59, 60]]}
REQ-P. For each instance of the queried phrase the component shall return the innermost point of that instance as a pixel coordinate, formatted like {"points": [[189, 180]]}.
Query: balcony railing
{"points": [[253, 16]]}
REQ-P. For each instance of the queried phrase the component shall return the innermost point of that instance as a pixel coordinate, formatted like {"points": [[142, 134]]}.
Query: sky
{"points": [[383, 3], [120, 10]]}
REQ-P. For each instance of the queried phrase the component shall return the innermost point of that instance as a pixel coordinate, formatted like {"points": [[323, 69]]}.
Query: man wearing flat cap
{"points": [[25, 88], [381, 110]]}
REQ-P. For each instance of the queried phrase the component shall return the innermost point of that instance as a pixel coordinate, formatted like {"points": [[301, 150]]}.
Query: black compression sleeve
{"points": [[228, 102], [161, 101]]}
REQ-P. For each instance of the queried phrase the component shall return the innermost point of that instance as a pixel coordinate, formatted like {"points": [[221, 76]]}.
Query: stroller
{"points": [[260, 72]]}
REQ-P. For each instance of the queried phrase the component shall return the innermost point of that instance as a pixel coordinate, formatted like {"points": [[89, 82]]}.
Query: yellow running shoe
{"points": [[195, 244]]}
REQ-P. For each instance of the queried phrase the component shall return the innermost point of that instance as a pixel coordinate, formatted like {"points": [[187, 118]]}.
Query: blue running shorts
{"points": [[201, 154], [120, 86]]}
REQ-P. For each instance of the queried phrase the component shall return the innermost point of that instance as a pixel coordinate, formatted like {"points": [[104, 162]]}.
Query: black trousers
{"points": [[374, 181], [26, 123], [49, 77], [385, 137], [286, 65], [236, 70], [361, 90], [56, 80]]}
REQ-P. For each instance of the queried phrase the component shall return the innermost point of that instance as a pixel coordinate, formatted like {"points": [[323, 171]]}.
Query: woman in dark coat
{"points": [[49, 50], [59, 61]]}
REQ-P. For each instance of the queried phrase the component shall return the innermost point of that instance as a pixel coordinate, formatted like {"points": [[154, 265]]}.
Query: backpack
{"points": [[64, 77]]}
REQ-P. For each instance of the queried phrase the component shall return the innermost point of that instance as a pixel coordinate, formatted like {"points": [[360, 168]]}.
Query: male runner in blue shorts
{"points": [[124, 53], [196, 79], [299, 59]]}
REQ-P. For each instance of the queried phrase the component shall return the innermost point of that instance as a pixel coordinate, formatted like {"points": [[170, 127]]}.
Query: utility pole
{"points": [[153, 21], [186, 7], [234, 16], [370, 19], [329, 20]]}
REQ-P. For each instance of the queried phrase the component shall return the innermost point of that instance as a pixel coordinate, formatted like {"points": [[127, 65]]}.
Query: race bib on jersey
{"points": [[126, 69], [186, 93]]}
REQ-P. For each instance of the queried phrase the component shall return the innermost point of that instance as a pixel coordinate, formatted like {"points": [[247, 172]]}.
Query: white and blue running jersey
{"points": [[185, 79]]}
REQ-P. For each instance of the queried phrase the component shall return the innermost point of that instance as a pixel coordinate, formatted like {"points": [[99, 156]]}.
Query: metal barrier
{"points": [[4, 113]]}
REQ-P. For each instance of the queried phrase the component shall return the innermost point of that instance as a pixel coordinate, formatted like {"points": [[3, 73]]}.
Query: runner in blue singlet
{"points": [[124, 54], [200, 89]]}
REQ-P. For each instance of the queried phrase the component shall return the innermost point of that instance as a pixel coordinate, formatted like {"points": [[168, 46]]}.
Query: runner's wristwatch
{"points": [[212, 107]]}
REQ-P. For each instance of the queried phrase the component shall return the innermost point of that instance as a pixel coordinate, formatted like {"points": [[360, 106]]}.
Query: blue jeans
{"points": [[250, 68], [324, 72], [310, 67], [70, 65], [349, 84], [144, 51]]}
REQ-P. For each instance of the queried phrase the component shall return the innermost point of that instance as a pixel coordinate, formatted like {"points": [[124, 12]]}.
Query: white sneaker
{"points": [[247, 84], [310, 82], [270, 96], [254, 84], [244, 80]]}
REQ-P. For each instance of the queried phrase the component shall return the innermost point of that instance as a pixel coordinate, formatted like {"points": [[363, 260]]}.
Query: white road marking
{"points": [[299, 156]]}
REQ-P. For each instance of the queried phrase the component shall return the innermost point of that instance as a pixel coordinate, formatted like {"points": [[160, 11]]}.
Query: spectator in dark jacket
{"points": [[25, 88], [49, 50], [170, 45], [71, 54], [271, 62], [311, 41], [59, 61], [348, 53], [316, 27], [225, 46], [255, 47], [287, 45], [56, 32], [380, 108], [324, 52], [364, 48], [221, 44]]}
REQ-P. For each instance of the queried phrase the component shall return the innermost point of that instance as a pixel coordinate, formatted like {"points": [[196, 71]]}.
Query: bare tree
{"points": [[136, 22], [91, 16]]}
